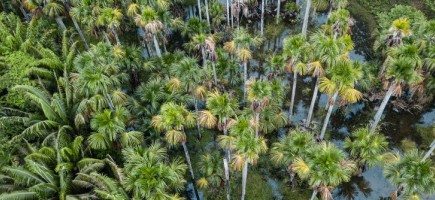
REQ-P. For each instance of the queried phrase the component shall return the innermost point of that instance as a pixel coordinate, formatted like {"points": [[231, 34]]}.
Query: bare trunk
{"points": [[328, 115], [382, 107], [244, 178], [228, 12], [245, 78], [60, 23], [116, 36], [429, 152], [314, 194], [306, 16], [313, 14], [23, 11], [262, 18], [257, 123], [227, 178], [106, 38], [278, 9], [292, 100], [156, 45], [199, 9], [207, 14], [204, 59], [186, 153], [76, 25], [313, 103], [197, 114], [214, 72]]}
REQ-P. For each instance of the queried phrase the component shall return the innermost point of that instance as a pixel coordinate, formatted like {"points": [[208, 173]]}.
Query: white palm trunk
{"points": [[381, 109], [262, 18], [156, 45], [227, 179], [60, 23], [245, 78], [213, 65], [328, 115], [106, 38], [82, 37], [278, 9], [228, 12], [429, 152], [204, 59], [292, 100], [199, 9], [207, 14], [314, 194], [257, 123], [116, 36], [313, 103], [244, 178], [306, 16]]}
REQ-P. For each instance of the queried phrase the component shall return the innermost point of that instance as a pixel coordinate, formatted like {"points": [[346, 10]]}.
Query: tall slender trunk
{"points": [[244, 178], [278, 9], [381, 109], [156, 45], [106, 38], [207, 14], [313, 14], [429, 152], [116, 36], [257, 123], [228, 12], [213, 65], [82, 37], [306, 16], [23, 11], [204, 59], [262, 18], [227, 179], [313, 103], [245, 78], [109, 101], [328, 115], [189, 163], [330, 11], [199, 9], [197, 114], [314, 194], [60, 23], [147, 45], [292, 101]]}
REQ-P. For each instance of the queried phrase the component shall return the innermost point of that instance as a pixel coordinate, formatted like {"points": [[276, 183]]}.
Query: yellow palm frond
{"points": [[174, 137], [118, 51], [230, 46], [202, 183], [133, 10], [244, 54], [174, 84], [200, 92], [350, 95], [327, 86], [316, 69], [207, 119], [301, 168], [238, 162]]}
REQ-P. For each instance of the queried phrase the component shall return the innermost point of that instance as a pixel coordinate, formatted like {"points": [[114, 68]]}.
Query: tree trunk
{"points": [[292, 100], [76, 25], [257, 123], [228, 12], [60, 23], [382, 107], [262, 18], [106, 38], [328, 115], [207, 14], [147, 45], [306, 16], [186, 153], [214, 72], [313, 14], [23, 11], [429, 152], [278, 9], [199, 9], [244, 178], [313, 103], [116, 36], [156, 45], [204, 58], [197, 114], [314, 194], [245, 78], [227, 178], [109, 101]]}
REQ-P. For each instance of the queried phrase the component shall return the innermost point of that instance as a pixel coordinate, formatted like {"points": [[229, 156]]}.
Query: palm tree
{"points": [[149, 21], [294, 144], [67, 5], [400, 72], [241, 47], [306, 16], [259, 93], [366, 148], [325, 166], [411, 175], [51, 8], [163, 178], [293, 51], [110, 18], [246, 145], [262, 18], [318, 71], [174, 119], [210, 167], [344, 75]]}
